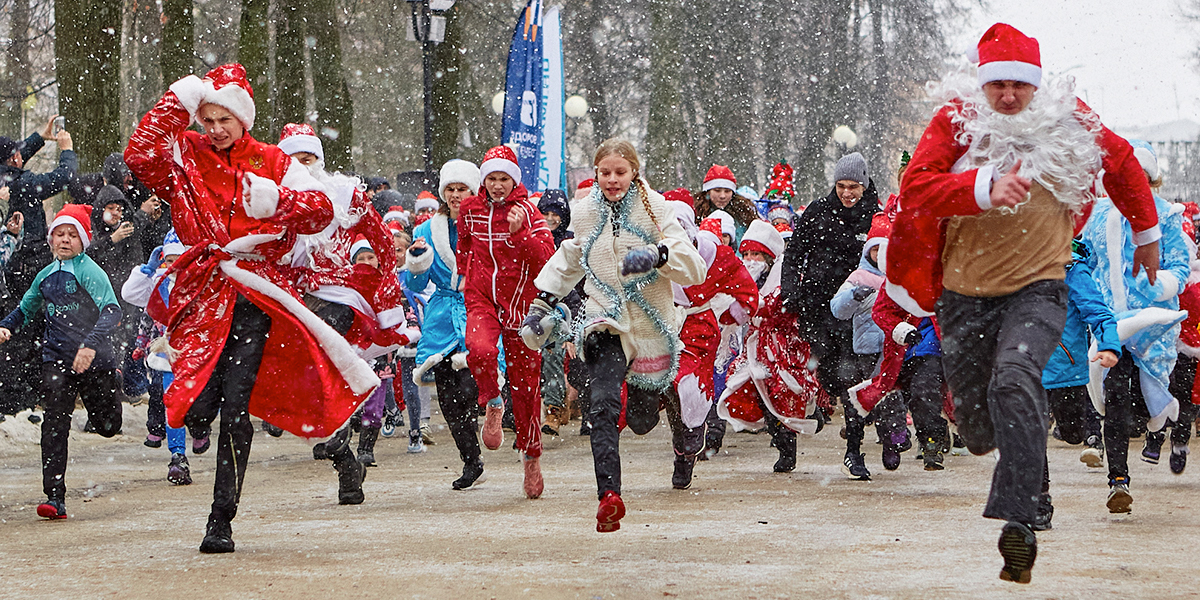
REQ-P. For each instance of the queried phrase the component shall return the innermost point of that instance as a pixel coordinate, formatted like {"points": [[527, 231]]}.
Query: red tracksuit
{"points": [[499, 272]]}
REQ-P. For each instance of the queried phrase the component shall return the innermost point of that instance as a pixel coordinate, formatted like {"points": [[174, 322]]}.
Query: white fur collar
{"points": [[439, 231]]}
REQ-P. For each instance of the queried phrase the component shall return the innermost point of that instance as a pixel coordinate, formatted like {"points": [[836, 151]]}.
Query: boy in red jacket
{"points": [[504, 242]]}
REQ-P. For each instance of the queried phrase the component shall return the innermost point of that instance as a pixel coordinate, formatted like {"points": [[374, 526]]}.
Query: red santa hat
{"points": [[426, 201], [762, 237], [1005, 54], [502, 159], [725, 223], [394, 227], [784, 229], [680, 195], [397, 214], [359, 246], [586, 184], [300, 137], [719, 176], [881, 226], [231, 89], [78, 216]]}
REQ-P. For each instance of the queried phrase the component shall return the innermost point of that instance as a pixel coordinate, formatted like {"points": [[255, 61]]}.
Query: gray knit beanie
{"points": [[852, 167]]}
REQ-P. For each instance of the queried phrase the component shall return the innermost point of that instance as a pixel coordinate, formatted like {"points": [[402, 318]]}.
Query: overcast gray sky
{"points": [[1130, 58]]}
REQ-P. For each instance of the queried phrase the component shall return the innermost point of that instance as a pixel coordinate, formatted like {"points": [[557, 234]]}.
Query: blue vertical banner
{"points": [[523, 93], [552, 159]]}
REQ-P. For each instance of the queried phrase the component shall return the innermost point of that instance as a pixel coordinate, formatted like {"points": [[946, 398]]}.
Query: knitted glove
{"points": [[152, 265], [861, 292], [642, 259], [540, 321]]}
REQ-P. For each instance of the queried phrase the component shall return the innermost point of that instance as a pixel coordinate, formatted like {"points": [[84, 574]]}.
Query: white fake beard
{"points": [[756, 267], [342, 186], [1056, 148]]}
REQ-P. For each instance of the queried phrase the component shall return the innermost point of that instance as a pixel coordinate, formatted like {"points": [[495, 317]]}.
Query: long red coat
{"points": [[310, 380]]}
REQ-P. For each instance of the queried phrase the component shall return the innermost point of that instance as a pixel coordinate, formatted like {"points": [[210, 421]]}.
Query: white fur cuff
{"points": [[983, 187], [261, 197], [901, 331], [419, 264], [1141, 238], [1170, 285], [190, 91]]}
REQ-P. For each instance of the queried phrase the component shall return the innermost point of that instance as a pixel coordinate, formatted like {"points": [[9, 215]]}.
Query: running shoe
{"points": [[52, 509], [1119, 498], [1018, 546], [855, 467], [608, 516], [1179, 453]]}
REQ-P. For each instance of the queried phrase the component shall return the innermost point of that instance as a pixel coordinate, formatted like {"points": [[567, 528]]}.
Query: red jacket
{"points": [[930, 193], [309, 382], [499, 267]]}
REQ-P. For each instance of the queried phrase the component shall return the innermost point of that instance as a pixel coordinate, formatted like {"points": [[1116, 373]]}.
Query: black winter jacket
{"points": [[28, 190], [823, 250]]}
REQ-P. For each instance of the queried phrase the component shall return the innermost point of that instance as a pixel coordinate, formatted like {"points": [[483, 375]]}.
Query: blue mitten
{"points": [[640, 260], [152, 265]]}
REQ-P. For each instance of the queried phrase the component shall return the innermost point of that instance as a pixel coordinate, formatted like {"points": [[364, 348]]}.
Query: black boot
{"points": [[327, 449], [350, 476], [787, 452], [471, 475], [218, 537], [681, 479], [366, 446]]}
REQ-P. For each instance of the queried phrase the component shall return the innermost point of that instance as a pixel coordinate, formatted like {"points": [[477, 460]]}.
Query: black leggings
{"points": [[228, 393], [606, 373], [459, 398], [61, 384]]}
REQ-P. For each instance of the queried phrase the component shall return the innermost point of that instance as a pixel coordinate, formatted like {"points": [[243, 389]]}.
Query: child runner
{"points": [[143, 281], [77, 355], [239, 204], [503, 243], [629, 247]]}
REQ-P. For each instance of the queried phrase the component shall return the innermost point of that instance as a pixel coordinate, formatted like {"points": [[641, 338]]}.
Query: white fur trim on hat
{"points": [[1010, 70], [426, 203], [360, 246], [174, 249], [1148, 161], [762, 232], [719, 183], [502, 165], [728, 225], [302, 143], [458, 171], [235, 99], [261, 199], [72, 221]]}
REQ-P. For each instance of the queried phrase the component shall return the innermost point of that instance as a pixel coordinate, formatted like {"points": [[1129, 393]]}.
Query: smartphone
{"points": [[60, 124]]}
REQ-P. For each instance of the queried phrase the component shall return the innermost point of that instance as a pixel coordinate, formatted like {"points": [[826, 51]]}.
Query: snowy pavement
{"points": [[740, 532]]}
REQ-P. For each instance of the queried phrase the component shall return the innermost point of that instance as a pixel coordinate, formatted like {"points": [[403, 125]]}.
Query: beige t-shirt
{"points": [[996, 253]]}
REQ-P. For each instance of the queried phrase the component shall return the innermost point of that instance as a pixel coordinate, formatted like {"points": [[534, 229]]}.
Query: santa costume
{"points": [[771, 383], [240, 210], [728, 295], [1002, 268], [499, 266]]}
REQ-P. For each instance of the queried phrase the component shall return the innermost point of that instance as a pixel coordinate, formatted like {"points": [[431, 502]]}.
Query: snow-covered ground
{"points": [[741, 532]]}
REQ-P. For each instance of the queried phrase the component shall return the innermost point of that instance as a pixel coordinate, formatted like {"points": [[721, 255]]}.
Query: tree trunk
{"points": [[288, 91], [666, 136], [254, 54], [141, 77], [178, 53], [447, 81], [335, 110], [86, 54], [17, 78]]}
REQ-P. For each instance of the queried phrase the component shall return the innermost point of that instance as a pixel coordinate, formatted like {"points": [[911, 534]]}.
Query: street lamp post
{"points": [[428, 28]]}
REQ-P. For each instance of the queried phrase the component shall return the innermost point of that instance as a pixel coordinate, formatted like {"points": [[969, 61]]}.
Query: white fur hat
{"points": [[458, 171], [761, 236]]}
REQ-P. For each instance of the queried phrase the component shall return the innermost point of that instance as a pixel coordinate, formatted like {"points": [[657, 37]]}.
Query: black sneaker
{"points": [[1045, 513], [1119, 499], [1178, 459], [681, 479], [931, 453], [1152, 451], [1093, 454], [855, 467], [585, 428], [178, 472], [472, 474], [1018, 546], [201, 445], [272, 430]]}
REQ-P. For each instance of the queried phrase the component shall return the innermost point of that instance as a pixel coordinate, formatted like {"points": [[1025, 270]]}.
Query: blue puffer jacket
{"points": [[1068, 366], [868, 337]]}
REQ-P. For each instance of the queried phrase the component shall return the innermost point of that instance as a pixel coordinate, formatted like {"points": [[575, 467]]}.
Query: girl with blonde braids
{"points": [[629, 248]]}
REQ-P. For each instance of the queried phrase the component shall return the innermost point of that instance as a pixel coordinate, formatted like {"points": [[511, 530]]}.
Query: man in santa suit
{"points": [[729, 291], [362, 303], [1002, 174], [239, 204]]}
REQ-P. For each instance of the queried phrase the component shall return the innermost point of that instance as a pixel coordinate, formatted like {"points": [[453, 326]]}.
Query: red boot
{"points": [[534, 484], [493, 435], [608, 516]]}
